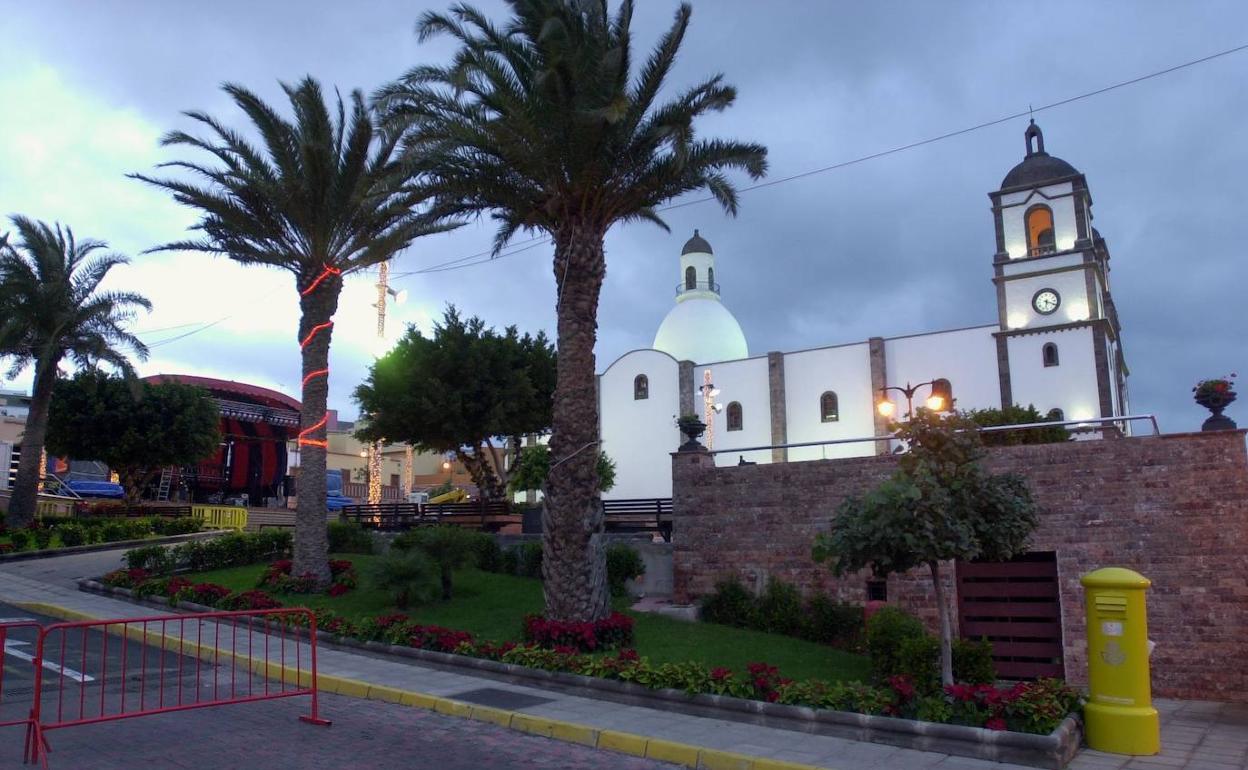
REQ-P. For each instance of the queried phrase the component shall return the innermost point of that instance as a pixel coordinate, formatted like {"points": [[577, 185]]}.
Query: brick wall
{"points": [[1174, 508]]}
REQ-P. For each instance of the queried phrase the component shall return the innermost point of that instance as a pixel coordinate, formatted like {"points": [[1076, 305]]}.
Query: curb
{"points": [[688, 755], [52, 553]]}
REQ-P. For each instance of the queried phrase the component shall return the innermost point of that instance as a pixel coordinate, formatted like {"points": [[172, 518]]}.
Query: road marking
{"points": [[16, 620], [10, 648]]}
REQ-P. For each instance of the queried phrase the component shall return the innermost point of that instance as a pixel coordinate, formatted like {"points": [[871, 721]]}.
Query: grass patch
{"points": [[491, 606]]}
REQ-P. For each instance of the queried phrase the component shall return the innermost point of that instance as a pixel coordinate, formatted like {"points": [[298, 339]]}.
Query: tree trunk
{"points": [[318, 302], [946, 627], [573, 560], [25, 495]]}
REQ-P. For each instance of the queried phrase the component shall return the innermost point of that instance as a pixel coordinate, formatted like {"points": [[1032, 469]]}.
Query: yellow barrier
{"points": [[221, 516]]}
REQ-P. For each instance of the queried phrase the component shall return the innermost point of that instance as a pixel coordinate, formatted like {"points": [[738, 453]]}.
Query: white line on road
{"points": [[10, 648], [16, 620]]}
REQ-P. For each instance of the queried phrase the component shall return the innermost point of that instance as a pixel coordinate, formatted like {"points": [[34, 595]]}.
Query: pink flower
{"points": [[996, 723]]}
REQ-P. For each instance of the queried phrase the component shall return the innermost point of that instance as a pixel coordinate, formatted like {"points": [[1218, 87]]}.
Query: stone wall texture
{"points": [[1174, 508]]}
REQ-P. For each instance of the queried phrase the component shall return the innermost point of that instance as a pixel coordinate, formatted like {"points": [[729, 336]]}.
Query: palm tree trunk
{"points": [[573, 560], [25, 497], [318, 306], [946, 627]]}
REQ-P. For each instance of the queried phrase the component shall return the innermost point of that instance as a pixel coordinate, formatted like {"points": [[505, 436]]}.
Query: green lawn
{"points": [[491, 606]]}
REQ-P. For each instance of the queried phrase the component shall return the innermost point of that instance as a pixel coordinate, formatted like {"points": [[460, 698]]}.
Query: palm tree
{"points": [[324, 196], [542, 124], [51, 309]]}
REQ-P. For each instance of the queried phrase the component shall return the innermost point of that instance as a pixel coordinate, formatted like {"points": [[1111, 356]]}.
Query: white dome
{"points": [[701, 330]]}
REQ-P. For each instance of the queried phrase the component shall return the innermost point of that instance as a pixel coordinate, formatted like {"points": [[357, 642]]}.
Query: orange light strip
{"points": [[304, 439]]}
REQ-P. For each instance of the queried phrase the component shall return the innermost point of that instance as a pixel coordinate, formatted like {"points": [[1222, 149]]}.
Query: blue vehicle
{"points": [[87, 488], [334, 499]]}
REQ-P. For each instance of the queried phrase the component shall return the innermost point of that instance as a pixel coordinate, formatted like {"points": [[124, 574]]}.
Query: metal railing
{"points": [[685, 286], [1074, 426]]}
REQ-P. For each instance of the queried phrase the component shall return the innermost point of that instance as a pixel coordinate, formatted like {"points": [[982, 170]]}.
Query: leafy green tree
{"points": [[52, 308], [544, 124], [407, 575], [134, 428], [323, 196], [1017, 415], [939, 505], [447, 547], [533, 466], [460, 389]]}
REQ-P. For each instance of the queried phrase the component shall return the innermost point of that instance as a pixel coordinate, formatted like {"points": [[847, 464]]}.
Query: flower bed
{"points": [[278, 578], [611, 632]]}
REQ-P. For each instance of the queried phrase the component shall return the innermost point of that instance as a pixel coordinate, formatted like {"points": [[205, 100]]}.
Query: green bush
{"points": [[887, 630], [833, 623], [623, 564], [20, 538], [529, 559], [730, 605], [156, 559], [487, 555], [448, 547], [72, 535], [918, 657], [779, 609], [972, 661], [510, 562], [346, 537], [182, 525], [233, 550], [42, 537], [408, 576]]}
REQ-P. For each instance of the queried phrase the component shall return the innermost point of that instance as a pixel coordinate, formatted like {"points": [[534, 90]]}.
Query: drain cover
{"points": [[501, 699]]}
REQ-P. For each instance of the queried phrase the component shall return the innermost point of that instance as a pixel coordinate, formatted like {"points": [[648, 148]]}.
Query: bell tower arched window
{"points": [[829, 407], [641, 387], [1040, 236], [691, 278], [735, 420], [1049, 353], [710, 278]]}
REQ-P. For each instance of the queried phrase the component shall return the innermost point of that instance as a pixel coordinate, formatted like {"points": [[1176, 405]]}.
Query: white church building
{"points": [[1055, 344]]}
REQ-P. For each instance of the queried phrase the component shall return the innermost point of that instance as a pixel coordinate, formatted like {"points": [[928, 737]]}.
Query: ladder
{"points": [[166, 481]]}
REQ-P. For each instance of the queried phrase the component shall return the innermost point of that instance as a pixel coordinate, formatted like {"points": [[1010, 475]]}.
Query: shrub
{"points": [[448, 547], [510, 563], [487, 554], [42, 537], [529, 559], [623, 564], [918, 659], [972, 661], [20, 538], [730, 605], [408, 576], [153, 558], [833, 623], [615, 630], [208, 594], [182, 525], [72, 535], [779, 609], [887, 630], [347, 537], [253, 599]]}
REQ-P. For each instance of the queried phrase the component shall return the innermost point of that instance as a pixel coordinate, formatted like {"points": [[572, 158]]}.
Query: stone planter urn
{"points": [[1215, 399], [692, 428]]}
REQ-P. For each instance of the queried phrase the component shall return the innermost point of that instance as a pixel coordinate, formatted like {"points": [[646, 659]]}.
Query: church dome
{"points": [[701, 330], [1039, 166], [696, 245]]}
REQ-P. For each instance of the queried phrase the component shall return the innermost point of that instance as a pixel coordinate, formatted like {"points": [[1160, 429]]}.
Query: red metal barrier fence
{"points": [[95, 671], [11, 707]]}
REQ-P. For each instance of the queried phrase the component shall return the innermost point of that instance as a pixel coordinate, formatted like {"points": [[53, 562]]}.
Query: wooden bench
{"points": [[399, 517], [639, 516]]}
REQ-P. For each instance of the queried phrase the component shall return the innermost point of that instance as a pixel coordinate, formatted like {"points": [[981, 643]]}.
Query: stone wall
{"points": [[1174, 508]]}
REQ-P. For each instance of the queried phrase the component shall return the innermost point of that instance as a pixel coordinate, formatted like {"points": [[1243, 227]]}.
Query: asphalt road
{"points": [[86, 681]]}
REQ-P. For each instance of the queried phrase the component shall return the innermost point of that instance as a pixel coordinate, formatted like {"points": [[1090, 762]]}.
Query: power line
{"points": [[463, 262]]}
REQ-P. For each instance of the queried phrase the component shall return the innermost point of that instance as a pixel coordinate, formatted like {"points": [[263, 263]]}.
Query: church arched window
{"points": [[641, 387], [1049, 353], [710, 278], [943, 389], [1040, 237], [829, 407], [734, 416], [691, 278]]}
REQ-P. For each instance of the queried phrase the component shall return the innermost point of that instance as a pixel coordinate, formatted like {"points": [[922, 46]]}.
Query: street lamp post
{"points": [[709, 407], [938, 400]]}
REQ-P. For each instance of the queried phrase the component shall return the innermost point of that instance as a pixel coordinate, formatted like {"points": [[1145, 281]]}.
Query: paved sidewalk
{"points": [[1197, 736]]}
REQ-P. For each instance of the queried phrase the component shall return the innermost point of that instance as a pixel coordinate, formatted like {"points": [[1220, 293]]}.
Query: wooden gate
{"points": [[1016, 605]]}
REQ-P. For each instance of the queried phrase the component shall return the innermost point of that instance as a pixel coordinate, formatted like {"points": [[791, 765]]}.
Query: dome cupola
{"points": [[699, 328], [1038, 167]]}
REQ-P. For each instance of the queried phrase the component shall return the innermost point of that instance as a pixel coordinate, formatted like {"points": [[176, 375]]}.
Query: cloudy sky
{"points": [[897, 245]]}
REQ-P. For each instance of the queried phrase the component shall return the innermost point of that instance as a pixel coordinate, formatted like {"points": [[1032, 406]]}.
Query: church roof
{"points": [[701, 330], [1038, 166], [696, 245]]}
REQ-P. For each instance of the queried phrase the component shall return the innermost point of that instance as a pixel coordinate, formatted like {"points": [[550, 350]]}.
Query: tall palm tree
{"points": [[52, 309], [323, 196], [542, 123]]}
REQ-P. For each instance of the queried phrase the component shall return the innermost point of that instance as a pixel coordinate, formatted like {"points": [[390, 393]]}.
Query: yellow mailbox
{"points": [[1119, 717]]}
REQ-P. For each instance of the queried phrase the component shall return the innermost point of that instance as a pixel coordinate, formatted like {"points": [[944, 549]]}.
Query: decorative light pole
{"points": [[374, 448], [939, 400], [709, 407]]}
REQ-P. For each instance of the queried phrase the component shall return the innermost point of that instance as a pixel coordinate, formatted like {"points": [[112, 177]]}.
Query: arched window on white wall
{"points": [[829, 407], [641, 387], [735, 420], [691, 278], [1049, 353], [710, 278], [1040, 235]]}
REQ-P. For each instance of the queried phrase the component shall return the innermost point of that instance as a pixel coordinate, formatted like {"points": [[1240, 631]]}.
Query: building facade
{"points": [[1055, 344]]}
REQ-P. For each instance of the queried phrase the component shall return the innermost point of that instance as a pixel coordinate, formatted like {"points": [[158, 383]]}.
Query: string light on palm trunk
{"points": [[709, 407], [307, 435], [374, 448]]}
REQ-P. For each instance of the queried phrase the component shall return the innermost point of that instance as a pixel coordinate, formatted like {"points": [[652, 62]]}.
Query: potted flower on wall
{"points": [[1216, 395], [692, 426]]}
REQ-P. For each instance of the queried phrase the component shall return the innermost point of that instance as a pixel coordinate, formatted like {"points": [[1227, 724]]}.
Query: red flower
{"points": [[996, 723], [338, 589], [721, 674]]}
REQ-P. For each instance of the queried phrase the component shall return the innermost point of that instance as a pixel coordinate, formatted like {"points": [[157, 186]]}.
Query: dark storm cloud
{"points": [[896, 245]]}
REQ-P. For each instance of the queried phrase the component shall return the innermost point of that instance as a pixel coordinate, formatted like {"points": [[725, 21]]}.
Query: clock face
{"points": [[1046, 301]]}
